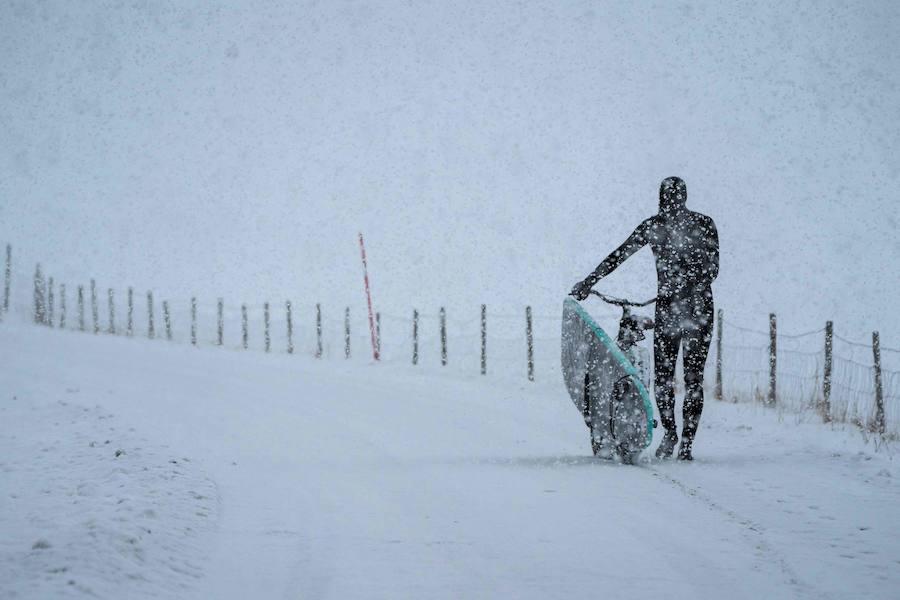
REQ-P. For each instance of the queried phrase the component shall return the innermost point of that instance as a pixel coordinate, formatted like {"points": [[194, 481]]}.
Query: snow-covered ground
{"points": [[131, 468], [91, 507]]}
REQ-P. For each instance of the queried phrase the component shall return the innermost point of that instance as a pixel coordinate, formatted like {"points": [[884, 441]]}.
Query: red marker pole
{"points": [[362, 249]]}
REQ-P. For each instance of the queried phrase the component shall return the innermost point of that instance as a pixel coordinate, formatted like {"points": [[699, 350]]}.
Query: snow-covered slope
{"points": [[282, 476], [90, 506]]}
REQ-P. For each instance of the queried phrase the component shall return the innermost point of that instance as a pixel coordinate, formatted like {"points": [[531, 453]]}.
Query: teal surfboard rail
{"points": [[619, 356]]}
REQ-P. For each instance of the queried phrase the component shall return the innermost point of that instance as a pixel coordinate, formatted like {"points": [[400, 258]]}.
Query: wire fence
{"points": [[483, 341], [851, 395]]}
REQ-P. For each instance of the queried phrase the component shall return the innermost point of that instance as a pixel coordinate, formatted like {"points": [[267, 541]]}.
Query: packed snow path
{"points": [[339, 479]]}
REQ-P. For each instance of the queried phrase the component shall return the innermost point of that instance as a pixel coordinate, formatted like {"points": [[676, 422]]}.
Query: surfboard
{"points": [[604, 385]]}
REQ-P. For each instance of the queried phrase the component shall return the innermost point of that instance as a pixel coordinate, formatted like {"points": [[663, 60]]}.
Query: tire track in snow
{"points": [[754, 533]]}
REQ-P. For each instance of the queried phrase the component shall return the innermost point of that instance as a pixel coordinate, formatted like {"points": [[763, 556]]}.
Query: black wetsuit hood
{"points": [[672, 195]]}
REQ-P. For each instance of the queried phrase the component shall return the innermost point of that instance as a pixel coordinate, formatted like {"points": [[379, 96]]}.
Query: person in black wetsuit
{"points": [[686, 248]]}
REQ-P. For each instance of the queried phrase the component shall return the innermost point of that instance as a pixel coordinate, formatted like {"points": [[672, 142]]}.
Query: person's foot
{"points": [[667, 445], [603, 451], [603, 447], [684, 451]]}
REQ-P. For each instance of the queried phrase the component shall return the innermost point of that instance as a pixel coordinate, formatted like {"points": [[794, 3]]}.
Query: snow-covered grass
{"points": [[342, 479]]}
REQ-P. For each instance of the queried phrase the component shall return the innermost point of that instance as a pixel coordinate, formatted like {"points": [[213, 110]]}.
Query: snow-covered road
{"points": [[338, 479]]}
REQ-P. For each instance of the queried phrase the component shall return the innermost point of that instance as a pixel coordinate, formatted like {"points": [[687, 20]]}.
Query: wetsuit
{"points": [[685, 245]]}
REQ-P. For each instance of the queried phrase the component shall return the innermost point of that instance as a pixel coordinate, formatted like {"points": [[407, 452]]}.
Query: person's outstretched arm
{"points": [[636, 241]]}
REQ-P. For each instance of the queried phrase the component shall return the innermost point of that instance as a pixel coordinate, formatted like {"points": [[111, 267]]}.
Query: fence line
{"points": [[825, 373], [866, 346]]}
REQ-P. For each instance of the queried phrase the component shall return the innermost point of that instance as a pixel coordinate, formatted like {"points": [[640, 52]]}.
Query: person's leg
{"points": [[695, 348], [665, 356]]}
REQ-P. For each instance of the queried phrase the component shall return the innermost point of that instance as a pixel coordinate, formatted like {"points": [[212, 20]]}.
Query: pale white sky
{"points": [[491, 153]]}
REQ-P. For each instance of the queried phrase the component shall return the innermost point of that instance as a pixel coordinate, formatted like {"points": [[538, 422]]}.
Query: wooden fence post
{"points": [[220, 322], [80, 308], [62, 306], [773, 358], [129, 327], [111, 309], [347, 332], [290, 328], [95, 307], [193, 320], [879, 397], [244, 333], [318, 330], [825, 409], [529, 337], [484, 339], [378, 333], [266, 337], [443, 337], [151, 331], [721, 320], [40, 315], [50, 302], [7, 278], [167, 320], [415, 356]]}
